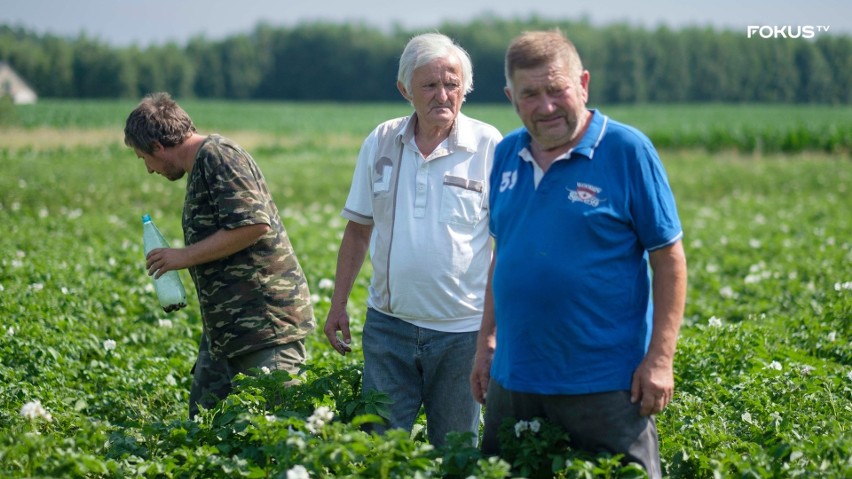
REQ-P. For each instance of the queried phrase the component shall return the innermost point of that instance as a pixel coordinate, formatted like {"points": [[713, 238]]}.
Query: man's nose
{"points": [[548, 104], [442, 94]]}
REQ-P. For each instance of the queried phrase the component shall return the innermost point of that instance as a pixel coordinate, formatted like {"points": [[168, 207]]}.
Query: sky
{"points": [[147, 22]]}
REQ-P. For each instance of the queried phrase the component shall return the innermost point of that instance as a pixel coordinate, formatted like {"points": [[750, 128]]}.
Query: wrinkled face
{"points": [[158, 162], [437, 92], [550, 102]]}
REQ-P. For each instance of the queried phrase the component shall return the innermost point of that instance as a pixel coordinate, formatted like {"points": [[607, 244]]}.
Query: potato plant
{"points": [[94, 376]]}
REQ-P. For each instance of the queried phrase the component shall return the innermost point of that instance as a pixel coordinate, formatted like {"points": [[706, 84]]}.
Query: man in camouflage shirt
{"points": [[255, 304]]}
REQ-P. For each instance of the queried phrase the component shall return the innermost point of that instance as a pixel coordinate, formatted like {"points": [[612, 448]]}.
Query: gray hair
{"points": [[428, 47]]}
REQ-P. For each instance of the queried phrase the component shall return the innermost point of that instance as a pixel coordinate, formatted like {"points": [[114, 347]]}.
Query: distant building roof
{"points": [[11, 84]]}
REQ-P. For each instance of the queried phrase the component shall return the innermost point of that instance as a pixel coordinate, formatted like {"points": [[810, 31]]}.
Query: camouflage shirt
{"points": [[257, 297]]}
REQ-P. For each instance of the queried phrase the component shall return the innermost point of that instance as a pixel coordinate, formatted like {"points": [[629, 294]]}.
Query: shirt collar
{"points": [[462, 135], [593, 136]]}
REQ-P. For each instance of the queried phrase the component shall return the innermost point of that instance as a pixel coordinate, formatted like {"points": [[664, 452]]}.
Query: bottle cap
{"points": [[146, 218]]}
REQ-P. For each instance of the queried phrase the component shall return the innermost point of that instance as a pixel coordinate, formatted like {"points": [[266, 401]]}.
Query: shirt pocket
{"points": [[462, 201]]}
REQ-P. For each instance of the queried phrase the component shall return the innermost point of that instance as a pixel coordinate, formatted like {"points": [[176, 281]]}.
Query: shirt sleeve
{"points": [[237, 188], [653, 204], [359, 203]]}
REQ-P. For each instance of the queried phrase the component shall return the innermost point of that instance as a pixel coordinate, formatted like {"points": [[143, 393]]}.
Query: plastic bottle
{"points": [[169, 288]]}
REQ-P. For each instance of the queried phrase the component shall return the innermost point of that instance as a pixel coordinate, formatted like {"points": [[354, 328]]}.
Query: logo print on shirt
{"points": [[510, 178], [585, 193]]}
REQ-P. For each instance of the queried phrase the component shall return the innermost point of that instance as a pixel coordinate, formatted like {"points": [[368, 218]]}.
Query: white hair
{"points": [[428, 47]]}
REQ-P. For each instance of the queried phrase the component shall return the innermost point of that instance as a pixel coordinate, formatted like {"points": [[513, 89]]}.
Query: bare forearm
{"points": [[653, 380], [669, 293], [487, 338], [486, 343], [224, 243], [219, 245], [350, 259]]}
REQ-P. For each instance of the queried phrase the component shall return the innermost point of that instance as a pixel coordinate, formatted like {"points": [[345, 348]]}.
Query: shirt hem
{"points": [[561, 390], [672, 241], [356, 217], [446, 325]]}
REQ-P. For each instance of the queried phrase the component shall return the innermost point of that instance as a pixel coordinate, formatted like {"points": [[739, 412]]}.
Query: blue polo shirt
{"points": [[571, 284]]}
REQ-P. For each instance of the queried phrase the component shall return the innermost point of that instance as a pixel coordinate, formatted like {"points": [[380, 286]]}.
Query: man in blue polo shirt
{"points": [[575, 330]]}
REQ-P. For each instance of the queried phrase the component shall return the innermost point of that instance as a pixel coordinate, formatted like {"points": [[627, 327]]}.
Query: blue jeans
{"points": [[415, 366]]}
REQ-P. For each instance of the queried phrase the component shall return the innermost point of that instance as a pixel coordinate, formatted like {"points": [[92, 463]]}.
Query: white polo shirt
{"points": [[430, 246]]}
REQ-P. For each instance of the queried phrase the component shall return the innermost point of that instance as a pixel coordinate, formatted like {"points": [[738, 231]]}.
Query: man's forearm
{"points": [[224, 243], [669, 293], [350, 259]]}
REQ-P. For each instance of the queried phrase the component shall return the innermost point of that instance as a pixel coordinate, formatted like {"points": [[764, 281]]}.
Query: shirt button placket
{"points": [[422, 181]]}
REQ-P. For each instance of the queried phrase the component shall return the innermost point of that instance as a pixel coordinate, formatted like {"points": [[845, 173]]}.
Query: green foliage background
{"points": [[764, 365], [357, 63]]}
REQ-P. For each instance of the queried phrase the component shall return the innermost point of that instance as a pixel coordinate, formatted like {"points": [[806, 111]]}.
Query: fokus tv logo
{"points": [[786, 31]]}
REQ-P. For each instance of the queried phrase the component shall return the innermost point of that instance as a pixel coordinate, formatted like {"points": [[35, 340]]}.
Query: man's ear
{"points": [[584, 82], [402, 91], [508, 92]]}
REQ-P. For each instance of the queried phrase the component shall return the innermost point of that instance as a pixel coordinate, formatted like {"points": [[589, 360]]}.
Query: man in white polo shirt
{"points": [[418, 202]]}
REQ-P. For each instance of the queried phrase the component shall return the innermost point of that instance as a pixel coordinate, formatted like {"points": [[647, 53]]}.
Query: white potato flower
{"points": [[298, 472], [535, 426], [34, 410], [520, 427], [321, 416]]}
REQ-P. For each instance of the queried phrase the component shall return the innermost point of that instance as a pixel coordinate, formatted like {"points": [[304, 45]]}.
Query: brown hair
{"points": [[538, 48], [160, 119]]}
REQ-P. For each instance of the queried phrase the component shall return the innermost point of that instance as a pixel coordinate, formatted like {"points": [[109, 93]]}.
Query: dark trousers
{"points": [[603, 422], [212, 378]]}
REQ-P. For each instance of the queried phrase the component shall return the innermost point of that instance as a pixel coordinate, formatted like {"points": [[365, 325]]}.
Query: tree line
{"points": [[356, 62]]}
